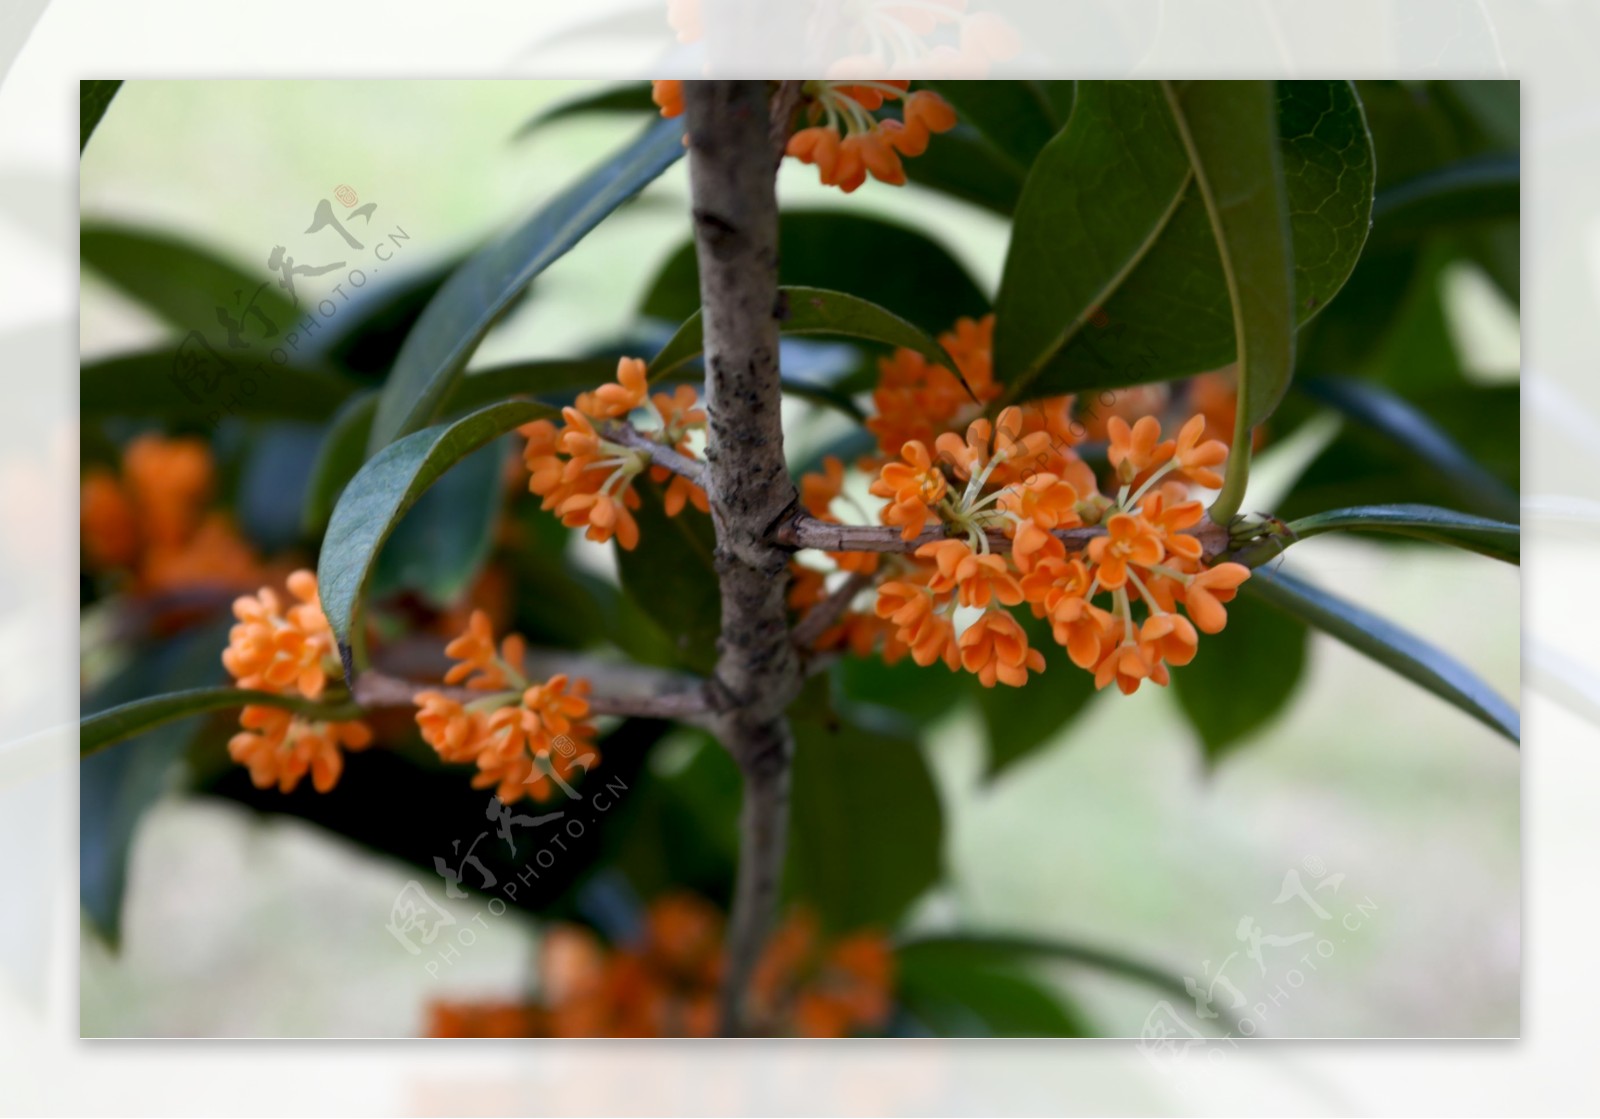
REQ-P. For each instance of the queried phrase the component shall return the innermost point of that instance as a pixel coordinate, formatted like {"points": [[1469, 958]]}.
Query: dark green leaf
{"points": [[436, 351], [1242, 678], [186, 285], [441, 544], [963, 998], [634, 97], [94, 98], [1014, 116], [814, 311], [672, 578], [1113, 275], [114, 724], [902, 270], [143, 385], [964, 165], [1390, 646], [1495, 539], [343, 449], [866, 825], [1482, 188], [379, 495], [1230, 132]]}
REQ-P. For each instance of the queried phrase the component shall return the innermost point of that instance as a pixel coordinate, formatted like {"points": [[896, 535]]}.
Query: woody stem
{"points": [[758, 673]]}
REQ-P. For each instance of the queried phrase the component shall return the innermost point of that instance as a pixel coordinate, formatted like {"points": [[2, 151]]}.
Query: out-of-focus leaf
{"points": [[671, 576], [343, 449], [633, 97], [104, 728], [965, 998], [379, 495], [1395, 451], [1482, 188], [455, 321], [865, 687], [1242, 678], [94, 98], [1019, 723], [441, 544], [866, 825], [1113, 276], [144, 384], [1495, 539], [902, 270], [814, 311], [1014, 116], [964, 165], [1389, 645]]}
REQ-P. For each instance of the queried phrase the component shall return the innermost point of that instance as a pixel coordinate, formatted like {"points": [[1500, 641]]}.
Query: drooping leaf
{"points": [[455, 321], [971, 998], [903, 270], [1230, 133], [632, 97], [188, 286], [1113, 276], [145, 385], [112, 725], [379, 495], [814, 311], [866, 826], [1495, 539], [1242, 678], [1394, 648], [1393, 450], [671, 576], [1016, 117], [94, 98]]}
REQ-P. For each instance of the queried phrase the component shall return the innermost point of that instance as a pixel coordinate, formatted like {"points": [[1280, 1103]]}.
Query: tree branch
{"points": [[732, 156], [678, 697], [620, 431], [821, 617]]}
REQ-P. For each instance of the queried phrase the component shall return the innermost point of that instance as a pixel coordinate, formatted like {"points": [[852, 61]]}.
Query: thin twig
{"points": [[376, 689], [821, 617], [619, 431]]}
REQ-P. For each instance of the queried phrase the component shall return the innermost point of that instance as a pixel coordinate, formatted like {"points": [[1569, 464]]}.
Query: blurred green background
{"points": [[1115, 834]]}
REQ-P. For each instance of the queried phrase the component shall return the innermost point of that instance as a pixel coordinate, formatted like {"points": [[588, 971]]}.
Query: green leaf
{"points": [[962, 998], [442, 543], [379, 495], [964, 165], [1020, 724], [142, 384], [105, 728], [671, 576], [455, 321], [94, 98], [184, 284], [1014, 116], [1495, 539], [1113, 275], [634, 97], [1390, 646], [340, 455], [1000, 948], [1242, 678], [1230, 133], [814, 311], [866, 825], [1482, 188], [1393, 449], [901, 269]]}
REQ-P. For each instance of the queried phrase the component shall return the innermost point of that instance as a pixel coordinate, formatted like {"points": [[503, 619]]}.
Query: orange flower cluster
{"points": [[525, 738], [665, 985], [282, 650], [842, 137], [152, 520], [587, 479]]}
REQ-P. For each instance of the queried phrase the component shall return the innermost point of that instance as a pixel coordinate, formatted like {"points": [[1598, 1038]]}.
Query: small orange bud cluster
{"points": [[665, 983], [842, 137], [282, 650], [525, 738], [152, 520], [587, 479]]}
